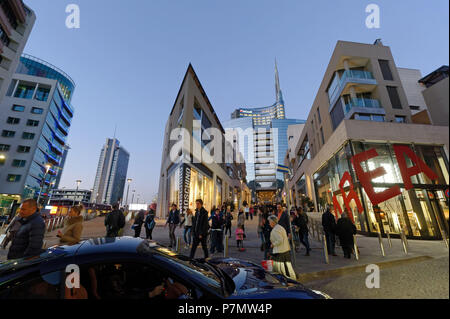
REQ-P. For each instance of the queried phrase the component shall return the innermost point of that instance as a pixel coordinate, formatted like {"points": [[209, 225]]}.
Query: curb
{"points": [[326, 274]]}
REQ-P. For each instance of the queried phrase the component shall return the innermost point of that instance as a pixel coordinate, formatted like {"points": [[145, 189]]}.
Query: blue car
{"points": [[134, 268]]}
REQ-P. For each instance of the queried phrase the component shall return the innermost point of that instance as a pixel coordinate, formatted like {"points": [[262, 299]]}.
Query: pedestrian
{"points": [[251, 212], [266, 230], [187, 234], [217, 233], [241, 219], [228, 221], [329, 228], [114, 221], [283, 220], [281, 250], [345, 230], [301, 221], [246, 210], [139, 220], [29, 238], [71, 234], [240, 237], [200, 227], [259, 229], [173, 220], [149, 223]]}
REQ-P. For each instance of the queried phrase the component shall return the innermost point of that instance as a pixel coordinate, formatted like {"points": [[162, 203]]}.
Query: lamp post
{"points": [[128, 190], [132, 197], [52, 185], [76, 191], [47, 168]]}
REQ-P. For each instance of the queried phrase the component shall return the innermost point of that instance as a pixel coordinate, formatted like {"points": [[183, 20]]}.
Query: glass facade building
{"points": [[421, 212]]}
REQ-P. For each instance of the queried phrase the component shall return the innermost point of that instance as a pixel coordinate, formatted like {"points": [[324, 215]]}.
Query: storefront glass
{"points": [[201, 187], [421, 212]]}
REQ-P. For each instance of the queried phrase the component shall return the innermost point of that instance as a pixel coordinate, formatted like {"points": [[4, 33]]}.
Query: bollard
{"points": [[355, 247], [225, 250], [49, 227], [389, 238], [178, 248], [404, 242], [380, 240], [325, 250]]}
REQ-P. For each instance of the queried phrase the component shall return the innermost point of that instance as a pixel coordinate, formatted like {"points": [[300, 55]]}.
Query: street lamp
{"points": [[76, 191], [52, 185], [47, 168], [128, 190], [132, 197]]}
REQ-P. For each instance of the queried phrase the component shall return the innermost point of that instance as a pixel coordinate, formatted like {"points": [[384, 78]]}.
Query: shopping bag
{"points": [[267, 265]]}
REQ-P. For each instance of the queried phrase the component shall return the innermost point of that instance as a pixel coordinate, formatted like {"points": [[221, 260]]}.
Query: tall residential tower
{"points": [[111, 173]]}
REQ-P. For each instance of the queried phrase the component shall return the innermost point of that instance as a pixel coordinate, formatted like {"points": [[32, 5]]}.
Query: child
{"points": [[240, 237]]}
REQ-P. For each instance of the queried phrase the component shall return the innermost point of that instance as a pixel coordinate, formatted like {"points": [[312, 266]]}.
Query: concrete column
{"points": [[346, 67], [352, 92]]}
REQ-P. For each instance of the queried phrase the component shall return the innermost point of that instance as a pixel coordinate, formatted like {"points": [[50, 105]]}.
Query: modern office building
{"points": [[35, 120], [111, 173], [75, 195], [16, 23], [361, 151], [186, 172], [263, 141], [436, 94]]}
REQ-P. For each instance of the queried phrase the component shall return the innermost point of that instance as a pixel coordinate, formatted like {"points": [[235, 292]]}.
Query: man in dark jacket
{"points": [[114, 221], [329, 228], [29, 238], [217, 232], [283, 220], [301, 221], [345, 229], [138, 222], [173, 220], [200, 227]]}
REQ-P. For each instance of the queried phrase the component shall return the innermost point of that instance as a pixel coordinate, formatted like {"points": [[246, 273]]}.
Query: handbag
{"points": [[267, 265]]}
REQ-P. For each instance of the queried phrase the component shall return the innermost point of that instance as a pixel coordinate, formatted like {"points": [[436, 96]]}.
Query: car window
{"points": [[33, 286], [131, 280]]}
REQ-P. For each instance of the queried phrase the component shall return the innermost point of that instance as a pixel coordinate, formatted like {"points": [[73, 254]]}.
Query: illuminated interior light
{"points": [[417, 220]]}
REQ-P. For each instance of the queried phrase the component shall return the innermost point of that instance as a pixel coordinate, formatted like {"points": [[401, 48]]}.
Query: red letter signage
{"points": [[352, 195], [337, 207], [365, 178], [418, 165]]}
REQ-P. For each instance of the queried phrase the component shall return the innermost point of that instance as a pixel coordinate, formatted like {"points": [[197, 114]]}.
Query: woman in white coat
{"points": [[281, 250]]}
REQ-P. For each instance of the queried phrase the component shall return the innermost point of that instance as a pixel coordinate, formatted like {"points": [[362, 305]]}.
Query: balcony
{"points": [[361, 105], [354, 77]]}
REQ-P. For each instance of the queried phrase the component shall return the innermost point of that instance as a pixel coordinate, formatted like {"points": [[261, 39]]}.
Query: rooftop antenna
{"points": [[115, 130]]}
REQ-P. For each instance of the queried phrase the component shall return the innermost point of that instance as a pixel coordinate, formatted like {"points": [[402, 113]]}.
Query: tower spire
{"points": [[277, 84]]}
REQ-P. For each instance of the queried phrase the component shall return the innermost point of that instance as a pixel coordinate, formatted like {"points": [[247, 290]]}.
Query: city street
{"points": [[401, 276]]}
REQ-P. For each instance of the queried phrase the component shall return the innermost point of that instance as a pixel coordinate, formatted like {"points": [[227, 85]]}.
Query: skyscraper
{"points": [[35, 120], [111, 173], [263, 143]]}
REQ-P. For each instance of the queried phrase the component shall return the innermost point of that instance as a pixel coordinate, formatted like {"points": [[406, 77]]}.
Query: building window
{"points": [[6, 133], [32, 123], [19, 163], [28, 136], [18, 108], [23, 149], [2, 160], [42, 94], [13, 178], [386, 70], [318, 115], [322, 136], [4, 147], [400, 119], [4, 37], [37, 110], [393, 96], [13, 120], [377, 118], [24, 91]]}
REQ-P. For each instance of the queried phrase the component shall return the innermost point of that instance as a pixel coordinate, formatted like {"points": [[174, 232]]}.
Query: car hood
{"points": [[253, 281]]}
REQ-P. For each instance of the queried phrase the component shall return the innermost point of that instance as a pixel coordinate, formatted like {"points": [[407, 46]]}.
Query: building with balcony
{"points": [[187, 172], [16, 23], [111, 173], [68, 195], [263, 141], [362, 114], [35, 119]]}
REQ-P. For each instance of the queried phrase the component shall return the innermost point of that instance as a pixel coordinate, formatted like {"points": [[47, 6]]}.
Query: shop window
{"points": [[394, 97]]}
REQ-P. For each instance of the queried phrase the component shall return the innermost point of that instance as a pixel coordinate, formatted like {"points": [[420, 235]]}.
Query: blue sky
{"points": [[129, 57]]}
